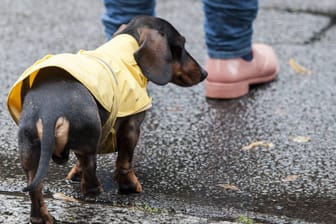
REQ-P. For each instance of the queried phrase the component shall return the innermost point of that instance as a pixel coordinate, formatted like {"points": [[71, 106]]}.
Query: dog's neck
{"points": [[121, 46]]}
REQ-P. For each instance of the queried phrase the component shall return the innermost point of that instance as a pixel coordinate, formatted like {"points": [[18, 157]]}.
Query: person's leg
{"points": [[228, 27], [234, 63], [118, 12]]}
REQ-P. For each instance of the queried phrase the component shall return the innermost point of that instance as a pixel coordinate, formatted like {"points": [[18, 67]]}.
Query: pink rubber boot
{"points": [[231, 78]]}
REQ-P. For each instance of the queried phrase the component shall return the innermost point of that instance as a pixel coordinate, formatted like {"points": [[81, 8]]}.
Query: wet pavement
{"points": [[195, 158]]}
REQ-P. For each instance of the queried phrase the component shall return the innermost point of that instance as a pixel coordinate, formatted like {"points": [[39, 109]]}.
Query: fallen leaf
{"points": [[280, 111], [298, 68], [175, 109], [301, 139], [61, 196], [258, 144], [229, 187], [290, 178]]}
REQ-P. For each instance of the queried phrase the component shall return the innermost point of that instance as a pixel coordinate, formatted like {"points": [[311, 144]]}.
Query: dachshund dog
{"points": [[94, 102]]}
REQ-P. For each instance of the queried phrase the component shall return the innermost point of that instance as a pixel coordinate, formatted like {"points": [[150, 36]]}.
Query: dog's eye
{"points": [[176, 51]]}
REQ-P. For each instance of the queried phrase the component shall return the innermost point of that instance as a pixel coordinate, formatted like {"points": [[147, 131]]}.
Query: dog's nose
{"points": [[204, 74]]}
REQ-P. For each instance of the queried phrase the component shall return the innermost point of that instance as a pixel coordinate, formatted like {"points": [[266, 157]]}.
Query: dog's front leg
{"points": [[127, 137], [75, 174]]}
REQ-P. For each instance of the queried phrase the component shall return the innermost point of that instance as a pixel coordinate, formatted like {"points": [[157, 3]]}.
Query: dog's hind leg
{"points": [[90, 184], [29, 148]]}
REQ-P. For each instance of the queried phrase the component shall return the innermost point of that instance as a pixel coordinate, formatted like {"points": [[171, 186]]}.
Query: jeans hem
{"points": [[229, 54]]}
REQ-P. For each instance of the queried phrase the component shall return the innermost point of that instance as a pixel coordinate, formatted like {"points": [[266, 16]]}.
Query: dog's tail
{"points": [[47, 126]]}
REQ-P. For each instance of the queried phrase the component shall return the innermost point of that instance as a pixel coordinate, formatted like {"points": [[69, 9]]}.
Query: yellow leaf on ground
{"points": [[229, 187], [301, 139], [298, 68], [258, 144], [290, 178], [61, 196]]}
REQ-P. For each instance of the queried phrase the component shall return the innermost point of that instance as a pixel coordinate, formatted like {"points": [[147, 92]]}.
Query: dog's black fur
{"points": [[55, 101]]}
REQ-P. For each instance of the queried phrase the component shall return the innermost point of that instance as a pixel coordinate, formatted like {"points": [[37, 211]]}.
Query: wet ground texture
{"points": [[268, 156]]}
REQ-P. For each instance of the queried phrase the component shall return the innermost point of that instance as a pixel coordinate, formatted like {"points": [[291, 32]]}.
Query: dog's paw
{"points": [[129, 188], [75, 174], [75, 177], [91, 190], [48, 220], [128, 182]]}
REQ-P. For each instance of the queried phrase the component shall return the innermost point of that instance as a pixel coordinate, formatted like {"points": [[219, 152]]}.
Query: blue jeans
{"points": [[228, 23]]}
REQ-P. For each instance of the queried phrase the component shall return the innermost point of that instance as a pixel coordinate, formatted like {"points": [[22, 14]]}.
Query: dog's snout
{"points": [[204, 74]]}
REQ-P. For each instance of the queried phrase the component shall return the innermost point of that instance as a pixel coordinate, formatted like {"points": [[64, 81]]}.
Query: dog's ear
{"points": [[154, 56], [120, 29]]}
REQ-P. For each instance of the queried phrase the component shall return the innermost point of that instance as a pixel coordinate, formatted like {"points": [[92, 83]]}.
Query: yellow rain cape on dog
{"points": [[110, 73]]}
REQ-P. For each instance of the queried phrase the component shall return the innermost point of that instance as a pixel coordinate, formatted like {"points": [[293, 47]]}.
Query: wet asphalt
{"points": [[192, 159]]}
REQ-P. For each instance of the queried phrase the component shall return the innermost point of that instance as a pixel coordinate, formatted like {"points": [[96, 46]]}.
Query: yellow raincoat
{"points": [[110, 73]]}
